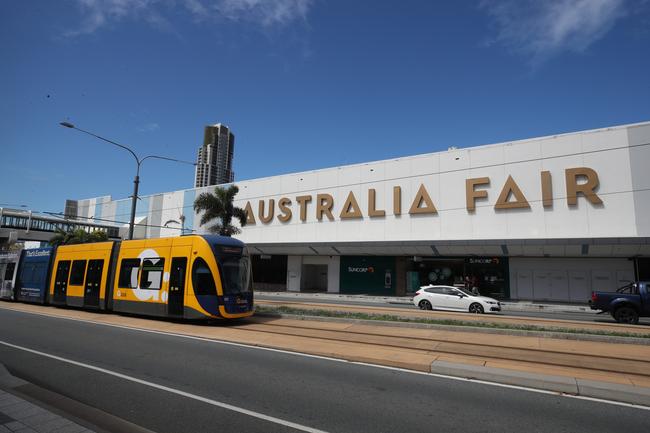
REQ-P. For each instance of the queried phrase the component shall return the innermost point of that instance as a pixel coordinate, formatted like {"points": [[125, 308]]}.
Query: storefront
{"points": [[487, 276], [367, 275], [269, 272]]}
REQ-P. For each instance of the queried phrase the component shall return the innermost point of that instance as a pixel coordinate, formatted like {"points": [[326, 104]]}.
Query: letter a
{"points": [[250, 217], [511, 187], [422, 197]]}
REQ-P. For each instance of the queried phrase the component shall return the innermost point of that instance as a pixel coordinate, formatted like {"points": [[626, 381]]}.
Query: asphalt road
{"points": [[313, 392], [584, 317]]}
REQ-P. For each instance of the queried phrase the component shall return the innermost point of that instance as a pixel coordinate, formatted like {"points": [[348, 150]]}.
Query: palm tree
{"points": [[219, 206], [77, 236]]}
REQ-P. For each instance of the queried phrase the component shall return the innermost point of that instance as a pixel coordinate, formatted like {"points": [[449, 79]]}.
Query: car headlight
{"points": [[491, 302]]}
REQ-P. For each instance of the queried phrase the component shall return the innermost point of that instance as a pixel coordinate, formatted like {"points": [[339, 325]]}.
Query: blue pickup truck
{"points": [[627, 304]]}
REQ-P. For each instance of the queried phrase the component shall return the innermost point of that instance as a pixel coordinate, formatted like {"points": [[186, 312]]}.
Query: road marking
{"points": [[327, 358], [222, 405]]}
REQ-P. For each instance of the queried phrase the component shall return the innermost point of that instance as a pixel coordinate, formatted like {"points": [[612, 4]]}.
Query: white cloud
{"points": [[149, 127], [266, 12], [541, 29], [197, 8], [99, 13]]}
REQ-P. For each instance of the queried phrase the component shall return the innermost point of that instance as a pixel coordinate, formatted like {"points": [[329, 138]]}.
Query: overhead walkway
{"points": [[23, 225]]}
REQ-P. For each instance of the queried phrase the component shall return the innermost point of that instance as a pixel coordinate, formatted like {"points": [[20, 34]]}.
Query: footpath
{"points": [[28, 408], [617, 370], [19, 415]]}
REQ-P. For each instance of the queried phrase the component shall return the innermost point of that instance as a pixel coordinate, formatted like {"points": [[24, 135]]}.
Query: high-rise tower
{"points": [[214, 161]]}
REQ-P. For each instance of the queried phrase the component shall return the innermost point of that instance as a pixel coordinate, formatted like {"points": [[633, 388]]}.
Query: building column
{"points": [[400, 275], [294, 268], [334, 274]]}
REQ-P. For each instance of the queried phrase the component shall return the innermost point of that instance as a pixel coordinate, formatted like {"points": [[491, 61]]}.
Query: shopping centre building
{"points": [[548, 218]]}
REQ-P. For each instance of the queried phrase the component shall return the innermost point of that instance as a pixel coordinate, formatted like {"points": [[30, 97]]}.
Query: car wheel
{"points": [[626, 315], [476, 308], [425, 305]]}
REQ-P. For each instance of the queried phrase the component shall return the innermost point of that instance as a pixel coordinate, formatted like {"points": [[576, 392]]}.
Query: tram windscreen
{"points": [[235, 274]]}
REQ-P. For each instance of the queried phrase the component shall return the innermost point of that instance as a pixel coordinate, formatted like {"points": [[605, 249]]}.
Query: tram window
{"points": [[77, 273], [129, 274], [235, 274], [152, 271], [9, 272], [202, 279]]}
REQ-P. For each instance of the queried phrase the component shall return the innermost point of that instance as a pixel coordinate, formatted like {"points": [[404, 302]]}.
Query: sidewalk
{"points": [[19, 415], [521, 306]]}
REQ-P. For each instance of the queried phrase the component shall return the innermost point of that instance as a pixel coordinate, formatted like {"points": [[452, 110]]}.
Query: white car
{"points": [[453, 299]]}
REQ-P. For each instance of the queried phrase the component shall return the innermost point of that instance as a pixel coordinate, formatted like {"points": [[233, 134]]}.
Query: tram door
{"points": [[61, 281], [177, 286], [93, 283]]}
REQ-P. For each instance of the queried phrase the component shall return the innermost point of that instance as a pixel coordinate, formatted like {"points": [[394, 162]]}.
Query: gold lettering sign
{"points": [[511, 188], [579, 181], [303, 200], [372, 205], [351, 208], [324, 203], [268, 218], [587, 188], [471, 194], [397, 200], [284, 204], [547, 189], [250, 218], [421, 197]]}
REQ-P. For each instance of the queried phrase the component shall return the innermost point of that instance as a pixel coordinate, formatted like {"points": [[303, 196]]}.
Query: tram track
{"points": [[426, 341]]}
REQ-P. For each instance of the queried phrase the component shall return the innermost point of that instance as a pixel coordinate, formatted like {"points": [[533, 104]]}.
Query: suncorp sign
{"points": [[361, 269]]}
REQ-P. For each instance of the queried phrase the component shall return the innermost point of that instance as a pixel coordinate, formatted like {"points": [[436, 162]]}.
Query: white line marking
{"points": [[327, 358], [172, 390]]}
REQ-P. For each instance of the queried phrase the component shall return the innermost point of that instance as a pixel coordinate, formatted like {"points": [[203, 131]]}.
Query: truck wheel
{"points": [[626, 315]]}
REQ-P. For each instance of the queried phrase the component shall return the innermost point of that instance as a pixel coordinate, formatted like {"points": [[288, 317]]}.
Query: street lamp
{"points": [[138, 161]]}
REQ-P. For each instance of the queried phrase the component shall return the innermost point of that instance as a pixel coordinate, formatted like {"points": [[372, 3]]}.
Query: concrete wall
{"points": [[566, 279]]}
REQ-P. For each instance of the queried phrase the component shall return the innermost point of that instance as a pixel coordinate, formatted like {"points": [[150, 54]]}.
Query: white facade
{"points": [[620, 156], [615, 225]]}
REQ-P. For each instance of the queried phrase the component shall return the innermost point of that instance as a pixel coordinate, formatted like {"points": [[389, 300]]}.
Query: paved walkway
{"points": [[20, 416]]}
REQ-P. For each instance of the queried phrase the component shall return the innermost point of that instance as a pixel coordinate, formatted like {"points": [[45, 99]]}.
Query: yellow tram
{"points": [[189, 277]]}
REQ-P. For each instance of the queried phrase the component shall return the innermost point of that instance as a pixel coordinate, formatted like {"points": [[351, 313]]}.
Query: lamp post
{"points": [[138, 162]]}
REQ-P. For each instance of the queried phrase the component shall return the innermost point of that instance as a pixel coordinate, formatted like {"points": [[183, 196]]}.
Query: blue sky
{"points": [[304, 84]]}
